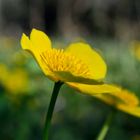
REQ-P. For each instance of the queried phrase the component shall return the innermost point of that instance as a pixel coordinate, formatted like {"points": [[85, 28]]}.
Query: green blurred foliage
{"points": [[76, 116]]}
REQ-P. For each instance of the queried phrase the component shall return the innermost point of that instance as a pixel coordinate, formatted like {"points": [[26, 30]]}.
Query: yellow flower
{"points": [[17, 81], [135, 49], [77, 65], [123, 100], [14, 81], [4, 73]]}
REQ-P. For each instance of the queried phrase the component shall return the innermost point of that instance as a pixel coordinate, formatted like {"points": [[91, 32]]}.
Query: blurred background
{"points": [[111, 26]]}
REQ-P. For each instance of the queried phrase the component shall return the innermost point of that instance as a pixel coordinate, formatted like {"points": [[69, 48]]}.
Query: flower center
{"points": [[58, 60]]}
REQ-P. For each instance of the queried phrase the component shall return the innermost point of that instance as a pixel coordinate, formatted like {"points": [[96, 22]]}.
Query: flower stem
{"points": [[106, 126], [55, 92]]}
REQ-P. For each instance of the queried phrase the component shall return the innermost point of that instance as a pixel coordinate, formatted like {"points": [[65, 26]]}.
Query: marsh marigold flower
{"points": [[77, 65]]}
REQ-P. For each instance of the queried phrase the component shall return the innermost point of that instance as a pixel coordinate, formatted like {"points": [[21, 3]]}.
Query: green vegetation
{"points": [[23, 105]]}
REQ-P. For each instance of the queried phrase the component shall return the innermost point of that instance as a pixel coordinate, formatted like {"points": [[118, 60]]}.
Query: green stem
{"points": [[55, 92], [106, 126]]}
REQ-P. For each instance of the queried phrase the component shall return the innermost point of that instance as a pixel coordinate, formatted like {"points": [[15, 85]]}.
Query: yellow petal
{"points": [[90, 57], [36, 52], [40, 40], [121, 97], [69, 77], [122, 106], [25, 43], [94, 89], [135, 111]]}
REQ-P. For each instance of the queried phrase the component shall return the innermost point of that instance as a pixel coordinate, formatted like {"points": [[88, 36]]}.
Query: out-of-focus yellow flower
{"points": [[3, 73], [15, 81], [78, 65], [135, 49], [136, 137], [123, 100]]}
